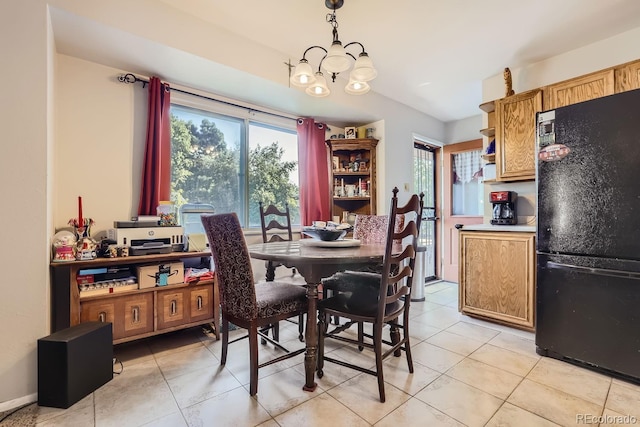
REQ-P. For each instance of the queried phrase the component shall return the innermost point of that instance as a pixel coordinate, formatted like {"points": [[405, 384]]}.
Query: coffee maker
{"points": [[504, 207]]}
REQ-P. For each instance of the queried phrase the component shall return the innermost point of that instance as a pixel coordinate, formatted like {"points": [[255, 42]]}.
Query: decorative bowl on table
{"points": [[326, 233]]}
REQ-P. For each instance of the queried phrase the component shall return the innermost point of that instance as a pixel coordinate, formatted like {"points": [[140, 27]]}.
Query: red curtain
{"points": [[156, 170], [314, 172]]}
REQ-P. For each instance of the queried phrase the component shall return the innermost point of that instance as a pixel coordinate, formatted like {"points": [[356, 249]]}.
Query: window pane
{"points": [[232, 163], [206, 159], [273, 171], [467, 188]]}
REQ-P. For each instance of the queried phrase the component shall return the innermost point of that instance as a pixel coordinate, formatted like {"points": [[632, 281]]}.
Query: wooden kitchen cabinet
{"points": [[515, 136], [627, 77], [497, 276], [184, 305], [579, 89], [134, 313], [345, 152]]}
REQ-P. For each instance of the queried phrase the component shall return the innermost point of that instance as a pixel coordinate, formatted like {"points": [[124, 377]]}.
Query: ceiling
{"points": [[431, 55]]}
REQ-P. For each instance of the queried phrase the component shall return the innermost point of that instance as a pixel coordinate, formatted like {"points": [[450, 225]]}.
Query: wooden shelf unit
{"points": [[136, 313], [489, 158], [346, 150]]}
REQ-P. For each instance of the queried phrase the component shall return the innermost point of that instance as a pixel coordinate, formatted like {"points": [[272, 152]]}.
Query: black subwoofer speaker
{"points": [[74, 362]]}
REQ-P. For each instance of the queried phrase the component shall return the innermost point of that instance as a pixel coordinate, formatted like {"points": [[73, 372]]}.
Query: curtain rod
{"points": [[131, 78]]}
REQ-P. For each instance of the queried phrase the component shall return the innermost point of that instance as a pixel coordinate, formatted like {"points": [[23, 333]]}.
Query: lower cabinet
{"points": [[133, 315], [497, 276], [130, 315], [186, 305]]}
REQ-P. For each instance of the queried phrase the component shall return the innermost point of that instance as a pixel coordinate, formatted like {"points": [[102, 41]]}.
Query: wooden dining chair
{"points": [[246, 304], [278, 221], [369, 229], [378, 299]]}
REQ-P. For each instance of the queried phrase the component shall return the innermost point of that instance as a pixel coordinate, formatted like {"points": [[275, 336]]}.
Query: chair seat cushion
{"points": [[357, 303], [359, 294], [275, 298], [353, 281]]}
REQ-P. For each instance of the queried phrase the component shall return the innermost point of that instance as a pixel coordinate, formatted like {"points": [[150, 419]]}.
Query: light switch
{"points": [[406, 186]]}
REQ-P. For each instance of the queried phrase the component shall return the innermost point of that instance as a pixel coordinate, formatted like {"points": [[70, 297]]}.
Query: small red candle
{"points": [[80, 220]]}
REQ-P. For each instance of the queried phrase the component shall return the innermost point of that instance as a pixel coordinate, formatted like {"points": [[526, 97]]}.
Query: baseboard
{"points": [[16, 403]]}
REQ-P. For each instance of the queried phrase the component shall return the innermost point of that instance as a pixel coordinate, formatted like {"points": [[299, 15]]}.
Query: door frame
{"points": [[438, 157], [449, 238]]}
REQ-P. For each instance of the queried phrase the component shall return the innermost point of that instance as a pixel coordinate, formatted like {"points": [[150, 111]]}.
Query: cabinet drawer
{"points": [[137, 312], [130, 315], [98, 311], [173, 308], [201, 303]]}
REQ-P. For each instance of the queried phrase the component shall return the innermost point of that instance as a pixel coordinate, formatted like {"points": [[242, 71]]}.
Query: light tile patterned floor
{"points": [[467, 373]]}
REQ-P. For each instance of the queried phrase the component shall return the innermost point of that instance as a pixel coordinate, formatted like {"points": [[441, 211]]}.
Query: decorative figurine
{"points": [[507, 82]]}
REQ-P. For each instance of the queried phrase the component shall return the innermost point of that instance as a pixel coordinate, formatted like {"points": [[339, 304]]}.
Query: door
{"points": [[425, 179], [466, 208]]}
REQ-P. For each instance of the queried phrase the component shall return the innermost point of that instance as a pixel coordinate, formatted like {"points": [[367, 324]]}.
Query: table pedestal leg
{"points": [[311, 338]]}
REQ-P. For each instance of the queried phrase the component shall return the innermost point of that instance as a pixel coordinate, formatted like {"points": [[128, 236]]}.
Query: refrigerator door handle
{"points": [[596, 271]]}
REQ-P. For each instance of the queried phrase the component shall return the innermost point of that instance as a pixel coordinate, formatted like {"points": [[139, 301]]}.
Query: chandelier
{"points": [[335, 60]]}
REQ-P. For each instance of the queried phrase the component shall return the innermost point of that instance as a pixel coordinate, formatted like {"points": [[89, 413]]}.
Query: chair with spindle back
{"points": [[279, 224]]}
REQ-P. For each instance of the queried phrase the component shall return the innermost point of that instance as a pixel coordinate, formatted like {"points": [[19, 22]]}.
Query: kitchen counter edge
{"points": [[489, 227]]}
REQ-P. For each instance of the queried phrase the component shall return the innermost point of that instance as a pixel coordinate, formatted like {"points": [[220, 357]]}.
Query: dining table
{"points": [[314, 261]]}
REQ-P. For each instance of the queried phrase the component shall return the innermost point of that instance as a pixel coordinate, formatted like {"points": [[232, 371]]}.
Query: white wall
{"points": [[25, 119], [101, 126], [464, 130], [594, 57]]}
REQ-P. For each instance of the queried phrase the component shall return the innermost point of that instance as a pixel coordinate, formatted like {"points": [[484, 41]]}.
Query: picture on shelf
{"points": [[336, 163], [350, 133]]}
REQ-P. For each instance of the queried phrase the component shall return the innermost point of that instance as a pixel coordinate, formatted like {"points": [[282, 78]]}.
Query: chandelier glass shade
{"points": [[318, 87], [336, 60]]}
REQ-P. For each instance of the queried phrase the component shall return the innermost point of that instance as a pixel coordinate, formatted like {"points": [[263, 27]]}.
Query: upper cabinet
{"points": [[627, 77], [591, 86], [515, 135], [512, 120]]}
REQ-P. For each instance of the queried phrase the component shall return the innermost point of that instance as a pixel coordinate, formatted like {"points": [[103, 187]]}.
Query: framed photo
{"points": [[350, 133], [336, 163]]}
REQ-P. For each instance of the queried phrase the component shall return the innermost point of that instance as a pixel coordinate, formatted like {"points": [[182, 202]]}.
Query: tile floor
{"points": [[467, 373]]}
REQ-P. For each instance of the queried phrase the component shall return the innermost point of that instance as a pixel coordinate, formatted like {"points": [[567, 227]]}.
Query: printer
{"points": [[147, 238]]}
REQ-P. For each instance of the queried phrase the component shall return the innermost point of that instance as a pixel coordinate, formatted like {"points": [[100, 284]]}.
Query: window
{"points": [[221, 157], [467, 187]]}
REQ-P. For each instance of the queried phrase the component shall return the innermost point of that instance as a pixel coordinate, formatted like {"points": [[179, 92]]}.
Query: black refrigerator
{"points": [[588, 234]]}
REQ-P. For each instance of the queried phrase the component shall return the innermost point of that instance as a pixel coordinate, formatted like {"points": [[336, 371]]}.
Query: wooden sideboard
{"points": [[136, 313]]}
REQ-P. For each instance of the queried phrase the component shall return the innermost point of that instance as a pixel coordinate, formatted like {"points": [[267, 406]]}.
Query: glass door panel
{"points": [[425, 182]]}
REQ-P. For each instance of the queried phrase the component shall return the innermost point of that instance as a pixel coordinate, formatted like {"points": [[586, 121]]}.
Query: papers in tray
{"points": [[344, 243]]}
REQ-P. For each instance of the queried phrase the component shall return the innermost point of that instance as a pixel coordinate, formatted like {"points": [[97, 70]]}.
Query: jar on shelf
{"points": [[167, 212]]}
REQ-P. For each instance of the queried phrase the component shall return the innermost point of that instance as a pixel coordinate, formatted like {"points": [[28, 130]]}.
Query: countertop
{"points": [[489, 227]]}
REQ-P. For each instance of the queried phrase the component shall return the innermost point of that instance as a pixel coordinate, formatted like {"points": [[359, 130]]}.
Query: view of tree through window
{"points": [[232, 164]]}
